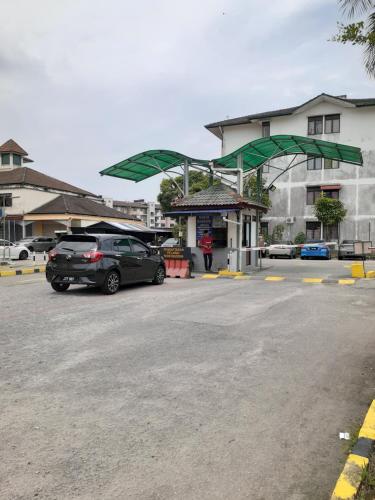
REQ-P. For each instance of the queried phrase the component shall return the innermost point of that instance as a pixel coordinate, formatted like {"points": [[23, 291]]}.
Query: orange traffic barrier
{"points": [[177, 268]]}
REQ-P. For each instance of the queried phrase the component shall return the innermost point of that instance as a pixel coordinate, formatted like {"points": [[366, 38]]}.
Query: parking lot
{"points": [[197, 389]]}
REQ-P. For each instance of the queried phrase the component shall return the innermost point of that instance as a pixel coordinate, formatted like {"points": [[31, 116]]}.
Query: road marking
{"points": [[24, 282], [346, 282], [242, 277], [312, 280], [210, 276], [274, 278]]}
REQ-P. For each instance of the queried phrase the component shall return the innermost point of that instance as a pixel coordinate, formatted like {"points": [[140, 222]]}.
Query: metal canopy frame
{"points": [[252, 156]]}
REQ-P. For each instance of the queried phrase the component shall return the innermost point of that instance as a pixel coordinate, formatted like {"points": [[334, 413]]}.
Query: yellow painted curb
{"points": [[242, 277], [274, 278], [27, 271], [368, 427], [210, 276], [225, 272], [346, 282], [357, 270], [7, 273], [312, 280], [350, 478], [370, 274]]}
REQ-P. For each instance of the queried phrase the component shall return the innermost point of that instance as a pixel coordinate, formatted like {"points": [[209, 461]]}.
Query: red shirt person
{"points": [[206, 246]]}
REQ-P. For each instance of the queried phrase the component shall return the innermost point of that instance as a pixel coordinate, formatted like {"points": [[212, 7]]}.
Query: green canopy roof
{"points": [[260, 151], [144, 165], [254, 154]]}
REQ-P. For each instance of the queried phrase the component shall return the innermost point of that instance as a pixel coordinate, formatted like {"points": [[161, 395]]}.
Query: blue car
{"points": [[315, 249]]}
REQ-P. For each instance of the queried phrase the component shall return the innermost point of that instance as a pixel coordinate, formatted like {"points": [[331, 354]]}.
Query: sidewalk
{"points": [[29, 266]]}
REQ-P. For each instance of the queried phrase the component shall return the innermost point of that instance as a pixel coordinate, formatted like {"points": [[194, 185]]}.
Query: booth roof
{"points": [[217, 196]]}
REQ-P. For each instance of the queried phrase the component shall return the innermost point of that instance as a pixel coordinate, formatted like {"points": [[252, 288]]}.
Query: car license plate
{"points": [[68, 278], [313, 248]]}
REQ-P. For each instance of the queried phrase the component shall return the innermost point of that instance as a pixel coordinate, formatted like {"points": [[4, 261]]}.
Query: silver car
{"points": [[38, 243], [282, 249]]}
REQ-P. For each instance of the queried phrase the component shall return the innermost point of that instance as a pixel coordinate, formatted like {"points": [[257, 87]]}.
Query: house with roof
{"points": [[339, 119], [34, 203]]}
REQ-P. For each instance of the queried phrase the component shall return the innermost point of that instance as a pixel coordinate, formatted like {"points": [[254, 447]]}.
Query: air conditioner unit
{"points": [[290, 220]]}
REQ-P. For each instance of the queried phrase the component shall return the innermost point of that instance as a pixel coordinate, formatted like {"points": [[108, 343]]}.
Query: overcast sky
{"points": [[87, 83]]}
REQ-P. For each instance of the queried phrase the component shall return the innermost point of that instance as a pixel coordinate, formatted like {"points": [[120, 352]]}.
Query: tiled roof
{"points": [[67, 204], [286, 111], [12, 147], [31, 177], [215, 196]]}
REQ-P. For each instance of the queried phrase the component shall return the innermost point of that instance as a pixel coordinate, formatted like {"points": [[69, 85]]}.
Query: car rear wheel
{"points": [[23, 255], [60, 287], [111, 283], [31, 249], [159, 276]]}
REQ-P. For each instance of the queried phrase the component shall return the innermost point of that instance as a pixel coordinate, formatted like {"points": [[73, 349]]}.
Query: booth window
{"points": [[330, 164], [216, 227]]}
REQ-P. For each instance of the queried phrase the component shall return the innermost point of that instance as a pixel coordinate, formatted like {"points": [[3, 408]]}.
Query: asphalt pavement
{"points": [[197, 389]]}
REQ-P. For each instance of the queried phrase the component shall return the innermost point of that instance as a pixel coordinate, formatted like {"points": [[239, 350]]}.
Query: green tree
{"points": [[250, 189], [169, 190], [329, 212], [300, 238], [277, 233], [360, 32]]}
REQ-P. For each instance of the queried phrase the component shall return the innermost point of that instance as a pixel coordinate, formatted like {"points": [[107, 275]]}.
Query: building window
{"points": [[331, 232], [5, 158], [332, 124], [313, 230], [5, 200], [331, 164], [266, 129], [315, 125], [331, 193], [314, 163], [17, 159], [312, 194]]}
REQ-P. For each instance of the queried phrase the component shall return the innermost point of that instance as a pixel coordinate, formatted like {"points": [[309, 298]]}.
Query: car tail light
{"points": [[52, 254], [93, 256]]}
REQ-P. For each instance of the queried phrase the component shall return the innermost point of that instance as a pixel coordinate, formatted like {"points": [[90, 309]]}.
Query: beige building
{"points": [[33, 203]]}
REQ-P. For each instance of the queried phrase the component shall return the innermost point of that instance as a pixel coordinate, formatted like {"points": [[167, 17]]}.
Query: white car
{"points": [[282, 249], [9, 250]]}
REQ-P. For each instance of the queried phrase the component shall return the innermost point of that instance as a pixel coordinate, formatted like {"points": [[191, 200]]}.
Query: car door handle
{"points": [[139, 258], [118, 255]]}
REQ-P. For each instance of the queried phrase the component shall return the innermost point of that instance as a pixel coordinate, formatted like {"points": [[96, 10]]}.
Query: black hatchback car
{"points": [[102, 260]]}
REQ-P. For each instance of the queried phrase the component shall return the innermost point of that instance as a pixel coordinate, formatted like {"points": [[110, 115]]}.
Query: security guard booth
{"points": [[231, 220]]}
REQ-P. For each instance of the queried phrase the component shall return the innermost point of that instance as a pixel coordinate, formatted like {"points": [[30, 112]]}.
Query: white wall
{"points": [[26, 199]]}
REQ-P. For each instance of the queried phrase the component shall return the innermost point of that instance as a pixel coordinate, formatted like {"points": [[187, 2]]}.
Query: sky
{"points": [[86, 83]]}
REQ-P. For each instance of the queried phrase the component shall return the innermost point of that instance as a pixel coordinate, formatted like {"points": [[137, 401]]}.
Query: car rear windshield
{"points": [[74, 244]]}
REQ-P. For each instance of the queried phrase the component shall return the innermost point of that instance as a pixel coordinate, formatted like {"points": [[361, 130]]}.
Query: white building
{"points": [[331, 118], [149, 212]]}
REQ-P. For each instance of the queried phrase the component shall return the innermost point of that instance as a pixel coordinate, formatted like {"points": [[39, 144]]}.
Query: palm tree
{"points": [[361, 32]]}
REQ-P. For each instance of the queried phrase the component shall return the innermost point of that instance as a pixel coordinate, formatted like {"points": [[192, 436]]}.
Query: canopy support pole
{"points": [[186, 177]]}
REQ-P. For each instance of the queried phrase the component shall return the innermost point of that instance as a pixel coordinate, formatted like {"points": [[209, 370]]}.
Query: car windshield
{"points": [[171, 241], [74, 244]]}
